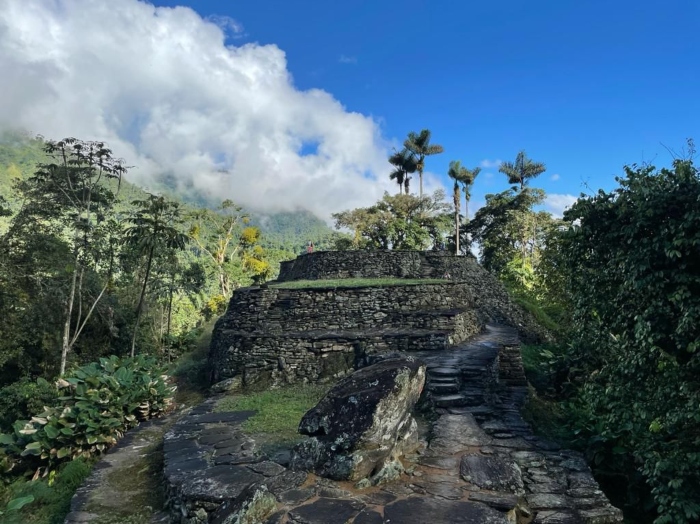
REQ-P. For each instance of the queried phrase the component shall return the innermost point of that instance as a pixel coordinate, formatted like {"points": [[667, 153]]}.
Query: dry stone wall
{"points": [[272, 336], [490, 297], [423, 306]]}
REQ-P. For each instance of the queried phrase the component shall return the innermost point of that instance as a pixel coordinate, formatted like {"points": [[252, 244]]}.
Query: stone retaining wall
{"points": [[490, 297], [273, 336], [510, 366], [275, 310], [313, 356], [374, 264]]}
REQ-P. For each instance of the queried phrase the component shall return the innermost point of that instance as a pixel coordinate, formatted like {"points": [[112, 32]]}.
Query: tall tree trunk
{"points": [[143, 294], [170, 311], [65, 346], [457, 198], [420, 183], [457, 233]]}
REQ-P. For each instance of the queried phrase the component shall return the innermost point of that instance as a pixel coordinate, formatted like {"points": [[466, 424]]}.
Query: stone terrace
{"points": [[275, 336], [271, 335]]}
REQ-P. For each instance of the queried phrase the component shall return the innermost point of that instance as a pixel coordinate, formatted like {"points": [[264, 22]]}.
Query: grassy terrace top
{"points": [[357, 282]]}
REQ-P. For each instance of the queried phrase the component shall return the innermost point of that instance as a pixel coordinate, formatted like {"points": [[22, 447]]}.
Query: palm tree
{"points": [[404, 162], [153, 228], [466, 177], [520, 171], [454, 174], [419, 144]]}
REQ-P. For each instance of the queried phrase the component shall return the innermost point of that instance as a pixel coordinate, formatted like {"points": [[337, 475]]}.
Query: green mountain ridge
{"points": [[288, 230]]}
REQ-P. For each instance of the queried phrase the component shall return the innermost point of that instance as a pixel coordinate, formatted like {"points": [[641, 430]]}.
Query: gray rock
{"points": [[364, 423], [499, 501], [491, 472], [230, 385], [267, 468], [294, 497], [419, 510], [455, 433], [324, 511], [368, 516]]}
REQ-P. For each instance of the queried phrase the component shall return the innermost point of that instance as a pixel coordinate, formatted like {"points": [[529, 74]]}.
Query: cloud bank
{"points": [[165, 91], [558, 203]]}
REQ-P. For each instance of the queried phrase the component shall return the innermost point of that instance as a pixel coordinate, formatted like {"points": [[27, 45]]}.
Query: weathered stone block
{"points": [[364, 423]]}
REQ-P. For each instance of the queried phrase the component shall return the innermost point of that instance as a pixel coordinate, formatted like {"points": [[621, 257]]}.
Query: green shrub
{"points": [[24, 397], [100, 402], [47, 500], [632, 272]]}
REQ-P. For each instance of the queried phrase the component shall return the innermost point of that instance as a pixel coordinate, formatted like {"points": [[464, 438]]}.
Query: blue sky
{"points": [[585, 87]]}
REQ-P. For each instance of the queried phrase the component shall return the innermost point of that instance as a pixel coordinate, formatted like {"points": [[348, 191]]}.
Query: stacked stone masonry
{"points": [[492, 300], [272, 336]]}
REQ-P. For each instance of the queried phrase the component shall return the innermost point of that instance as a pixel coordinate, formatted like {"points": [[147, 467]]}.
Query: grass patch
{"points": [[548, 418], [542, 317], [278, 410], [190, 370], [357, 282], [51, 502]]}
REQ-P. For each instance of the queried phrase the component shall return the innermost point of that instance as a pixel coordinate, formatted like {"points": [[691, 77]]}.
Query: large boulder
{"points": [[363, 425]]}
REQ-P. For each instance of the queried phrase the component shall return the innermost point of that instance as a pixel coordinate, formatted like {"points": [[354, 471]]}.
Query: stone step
{"points": [[446, 401], [474, 370], [443, 380], [443, 388], [444, 372]]}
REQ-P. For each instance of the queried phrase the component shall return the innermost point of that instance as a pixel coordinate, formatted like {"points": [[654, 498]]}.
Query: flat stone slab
{"points": [[368, 516], [455, 433], [444, 372], [499, 501], [219, 483], [267, 468], [324, 511], [294, 497], [443, 388], [439, 462], [421, 510], [446, 401], [492, 473], [230, 417]]}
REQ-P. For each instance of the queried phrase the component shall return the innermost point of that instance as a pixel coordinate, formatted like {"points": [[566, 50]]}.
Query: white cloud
{"points": [[230, 26], [557, 203], [160, 86], [486, 163], [555, 177], [347, 59]]}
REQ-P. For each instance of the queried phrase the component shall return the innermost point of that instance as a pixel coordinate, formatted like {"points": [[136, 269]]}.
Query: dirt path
{"points": [[126, 486]]}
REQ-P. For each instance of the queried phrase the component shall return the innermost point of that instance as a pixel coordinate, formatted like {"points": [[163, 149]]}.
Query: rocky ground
{"points": [[480, 463]]}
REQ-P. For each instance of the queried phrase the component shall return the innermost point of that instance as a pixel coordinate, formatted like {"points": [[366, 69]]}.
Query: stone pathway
{"points": [[483, 464], [125, 486]]}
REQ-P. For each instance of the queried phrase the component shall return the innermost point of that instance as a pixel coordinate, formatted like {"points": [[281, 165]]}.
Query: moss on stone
{"points": [[357, 282]]}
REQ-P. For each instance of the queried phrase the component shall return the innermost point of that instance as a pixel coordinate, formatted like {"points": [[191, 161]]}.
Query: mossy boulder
{"points": [[364, 424]]}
